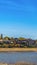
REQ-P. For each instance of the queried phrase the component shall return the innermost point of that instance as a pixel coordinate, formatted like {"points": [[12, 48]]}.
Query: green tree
{"points": [[6, 38], [21, 38]]}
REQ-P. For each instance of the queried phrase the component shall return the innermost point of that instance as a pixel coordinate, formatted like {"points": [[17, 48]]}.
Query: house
{"points": [[6, 41], [21, 42], [1, 41], [35, 43], [31, 42]]}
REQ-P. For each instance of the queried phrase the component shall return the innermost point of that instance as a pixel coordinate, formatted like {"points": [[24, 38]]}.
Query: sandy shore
{"points": [[17, 49], [22, 63]]}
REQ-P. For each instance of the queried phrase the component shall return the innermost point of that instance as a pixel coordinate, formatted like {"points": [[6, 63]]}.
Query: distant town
{"points": [[7, 42]]}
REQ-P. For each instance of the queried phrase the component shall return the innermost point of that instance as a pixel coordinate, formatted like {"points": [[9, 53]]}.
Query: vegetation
{"points": [[7, 42]]}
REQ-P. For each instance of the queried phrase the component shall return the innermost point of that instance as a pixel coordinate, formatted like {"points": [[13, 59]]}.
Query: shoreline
{"points": [[19, 63], [18, 49]]}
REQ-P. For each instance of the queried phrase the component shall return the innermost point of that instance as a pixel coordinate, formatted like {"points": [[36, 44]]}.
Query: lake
{"points": [[13, 57]]}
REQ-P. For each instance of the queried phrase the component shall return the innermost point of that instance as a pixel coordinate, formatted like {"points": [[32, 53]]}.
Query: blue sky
{"points": [[18, 18]]}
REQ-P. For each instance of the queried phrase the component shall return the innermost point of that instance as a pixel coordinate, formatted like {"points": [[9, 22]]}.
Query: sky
{"points": [[18, 18]]}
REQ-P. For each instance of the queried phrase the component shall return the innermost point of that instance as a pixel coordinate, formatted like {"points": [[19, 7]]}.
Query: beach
{"points": [[18, 49], [21, 63]]}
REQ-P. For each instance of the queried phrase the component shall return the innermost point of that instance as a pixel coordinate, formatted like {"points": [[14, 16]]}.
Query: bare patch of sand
{"points": [[17, 49]]}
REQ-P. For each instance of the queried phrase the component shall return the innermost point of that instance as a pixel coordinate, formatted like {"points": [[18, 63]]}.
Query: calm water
{"points": [[13, 57]]}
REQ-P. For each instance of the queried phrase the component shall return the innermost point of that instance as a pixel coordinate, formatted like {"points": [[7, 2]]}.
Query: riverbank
{"points": [[18, 49], [18, 64]]}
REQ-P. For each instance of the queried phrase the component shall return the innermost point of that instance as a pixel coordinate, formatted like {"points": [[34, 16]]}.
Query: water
{"points": [[13, 57]]}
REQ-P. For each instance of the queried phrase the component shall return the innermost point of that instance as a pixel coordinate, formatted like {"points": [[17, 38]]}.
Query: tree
{"points": [[5, 45], [12, 39], [21, 38], [6, 38], [1, 37]]}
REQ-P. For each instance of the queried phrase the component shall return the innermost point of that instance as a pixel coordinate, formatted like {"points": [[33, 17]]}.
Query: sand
{"points": [[20, 63], [18, 49]]}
